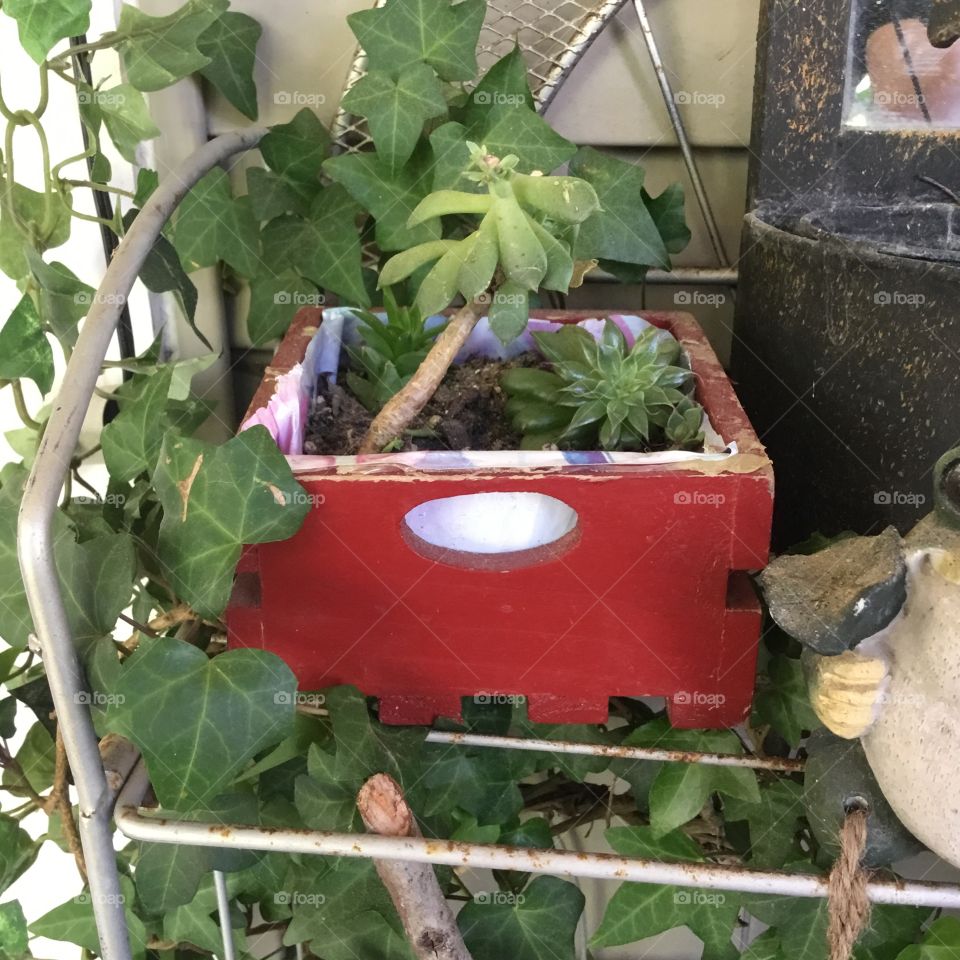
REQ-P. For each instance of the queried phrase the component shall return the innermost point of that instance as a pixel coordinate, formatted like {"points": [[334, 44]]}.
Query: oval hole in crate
{"points": [[492, 531]]}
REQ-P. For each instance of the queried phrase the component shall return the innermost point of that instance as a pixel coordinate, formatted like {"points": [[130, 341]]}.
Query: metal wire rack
{"points": [[111, 782]]}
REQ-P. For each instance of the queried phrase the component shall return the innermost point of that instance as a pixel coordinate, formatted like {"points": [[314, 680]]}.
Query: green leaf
{"points": [[890, 930], [782, 700], [271, 195], [193, 923], [331, 254], [437, 32], [131, 441], [211, 225], [522, 131], [773, 822], [765, 947], [169, 874], [451, 155], [147, 182], [203, 531], [940, 942], [37, 233], [36, 758], [126, 117], [389, 198], [42, 24], [623, 229], [274, 299], [396, 108], [13, 931], [368, 935], [158, 51], [329, 900], [504, 84], [668, 214], [25, 351], [296, 151], [230, 44], [537, 924], [198, 721], [800, 922], [97, 580], [680, 790], [641, 910], [17, 850], [64, 298]]}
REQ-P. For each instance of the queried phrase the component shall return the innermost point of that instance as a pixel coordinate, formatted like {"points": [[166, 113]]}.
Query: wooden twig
{"points": [[404, 405], [60, 795], [413, 887]]}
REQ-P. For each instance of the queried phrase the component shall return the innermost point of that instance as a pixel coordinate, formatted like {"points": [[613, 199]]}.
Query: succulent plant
{"points": [[515, 246], [602, 394], [390, 352]]}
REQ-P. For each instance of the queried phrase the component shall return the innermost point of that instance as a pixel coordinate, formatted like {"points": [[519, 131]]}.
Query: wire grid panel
{"points": [[553, 37]]}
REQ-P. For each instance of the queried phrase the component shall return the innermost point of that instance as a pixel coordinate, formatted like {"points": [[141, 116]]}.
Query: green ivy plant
{"points": [[602, 394], [147, 565]]}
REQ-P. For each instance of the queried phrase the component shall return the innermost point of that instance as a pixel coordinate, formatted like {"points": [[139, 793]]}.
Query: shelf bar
{"points": [[781, 764], [138, 825]]}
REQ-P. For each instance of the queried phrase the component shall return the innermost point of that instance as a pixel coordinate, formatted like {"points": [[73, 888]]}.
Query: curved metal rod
{"points": [[35, 532]]}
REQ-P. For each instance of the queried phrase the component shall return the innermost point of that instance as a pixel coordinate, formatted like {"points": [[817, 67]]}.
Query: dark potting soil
{"points": [[466, 413]]}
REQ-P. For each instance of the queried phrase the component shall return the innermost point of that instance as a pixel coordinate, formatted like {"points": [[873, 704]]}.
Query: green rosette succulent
{"points": [[600, 394]]}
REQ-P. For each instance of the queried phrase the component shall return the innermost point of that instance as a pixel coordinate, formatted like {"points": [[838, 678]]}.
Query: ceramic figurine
{"points": [[880, 620]]}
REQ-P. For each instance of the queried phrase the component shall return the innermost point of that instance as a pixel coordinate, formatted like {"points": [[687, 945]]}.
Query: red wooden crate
{"points": [[647, 597]]}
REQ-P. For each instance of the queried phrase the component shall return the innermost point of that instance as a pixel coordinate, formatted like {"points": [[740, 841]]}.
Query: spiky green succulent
{"points": [[389, 353], [600, 394], [524, 241]]}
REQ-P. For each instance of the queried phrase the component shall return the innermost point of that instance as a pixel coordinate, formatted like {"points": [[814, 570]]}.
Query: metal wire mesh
{"points": [[552, 36]]}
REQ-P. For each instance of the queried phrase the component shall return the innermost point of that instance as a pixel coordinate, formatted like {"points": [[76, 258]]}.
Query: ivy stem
{"points": [[21, 404], [49, 192], [404, 405], [102, 187]]}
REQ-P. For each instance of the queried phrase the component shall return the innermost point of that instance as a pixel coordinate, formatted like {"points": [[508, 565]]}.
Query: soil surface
{"points": [[466, 413]]}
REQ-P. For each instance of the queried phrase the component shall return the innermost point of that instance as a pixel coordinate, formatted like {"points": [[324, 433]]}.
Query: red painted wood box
{"points": [[647, 595]]}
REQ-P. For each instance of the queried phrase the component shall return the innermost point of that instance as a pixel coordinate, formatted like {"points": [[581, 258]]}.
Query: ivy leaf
{"points": [[73, 922], [940, 942], [367, 935], [273, 302], [126, 116], [230, 44], [147, 182], [131, 441], [331, 255], [64, 299], [667, 211], [519, 130], [211, 225], [506, 83], [890, 930], [197, 721], [404, 32], [17, 850], [97, 580], [36, 758], [158, 51], [782, 700], [203, 531], [13, 931], [538, 925], [773, 822], [680, 790], [451, 155], [193, 923], [641, 910], [765, 947], [622, 229], [800, 922], [296, 151], [25, 351], [389, 198], [30, 208], [329, 900], [271, 195], [396, 107], [41, 25]]}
